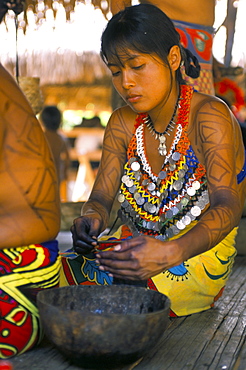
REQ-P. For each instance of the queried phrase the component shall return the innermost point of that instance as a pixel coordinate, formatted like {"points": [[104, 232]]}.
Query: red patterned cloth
{"points": [[24, 272], [199, 40]]}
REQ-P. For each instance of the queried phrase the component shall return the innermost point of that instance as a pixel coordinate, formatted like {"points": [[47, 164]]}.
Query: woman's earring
{"points": [[182, 63]]}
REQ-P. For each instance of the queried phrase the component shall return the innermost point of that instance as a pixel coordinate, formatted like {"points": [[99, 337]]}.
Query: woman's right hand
{"points": [[85, 230]]}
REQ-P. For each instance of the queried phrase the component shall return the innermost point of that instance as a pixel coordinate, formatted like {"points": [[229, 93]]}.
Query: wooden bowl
{"points": [[103, 327]]}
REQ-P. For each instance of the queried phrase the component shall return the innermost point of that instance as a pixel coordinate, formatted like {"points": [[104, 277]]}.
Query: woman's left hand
{"points": [[140, 258]]}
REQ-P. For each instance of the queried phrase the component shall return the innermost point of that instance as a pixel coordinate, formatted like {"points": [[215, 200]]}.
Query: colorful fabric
{"points": [[204, 83], [196, 284], [230, 92], [198, 39], [83, 270], [24, 272], [242, 175]]}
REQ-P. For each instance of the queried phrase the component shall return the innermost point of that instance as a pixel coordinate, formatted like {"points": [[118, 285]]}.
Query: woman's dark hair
{"points": [[148, 30]]}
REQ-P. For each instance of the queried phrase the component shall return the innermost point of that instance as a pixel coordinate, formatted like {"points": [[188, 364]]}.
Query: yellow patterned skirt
{"points": [[197, 283]]}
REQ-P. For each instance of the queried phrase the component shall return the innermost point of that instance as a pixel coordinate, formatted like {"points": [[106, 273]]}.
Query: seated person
{"points": [[51, 118], [88, 146], [29, 218], [175, 160]]}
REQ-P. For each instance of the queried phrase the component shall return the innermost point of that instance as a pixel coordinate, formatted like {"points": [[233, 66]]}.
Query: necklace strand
{"points": [[162, 149]]}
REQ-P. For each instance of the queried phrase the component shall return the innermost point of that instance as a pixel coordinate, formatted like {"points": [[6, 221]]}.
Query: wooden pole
{"points": [[229, 23]]}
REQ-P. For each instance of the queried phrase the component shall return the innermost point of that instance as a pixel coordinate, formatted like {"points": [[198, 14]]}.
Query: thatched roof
{"points": [[58, 41], [69, 5]]}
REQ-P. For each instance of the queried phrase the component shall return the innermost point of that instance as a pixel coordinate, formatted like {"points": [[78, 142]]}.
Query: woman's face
{"points": [[143, 80]]}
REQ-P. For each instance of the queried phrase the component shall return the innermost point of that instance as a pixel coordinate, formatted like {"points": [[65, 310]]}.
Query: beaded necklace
{"points": [[163, 204], [162, 149]]}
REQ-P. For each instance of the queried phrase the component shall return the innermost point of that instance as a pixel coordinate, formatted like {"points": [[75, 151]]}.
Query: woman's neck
{"points": [[162, 116]]}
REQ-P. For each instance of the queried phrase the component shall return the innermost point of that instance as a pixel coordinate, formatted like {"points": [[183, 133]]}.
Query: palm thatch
{"points": [[58, 42]]}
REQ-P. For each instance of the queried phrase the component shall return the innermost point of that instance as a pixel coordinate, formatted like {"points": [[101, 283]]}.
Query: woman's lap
{"points": [[192, 287]]}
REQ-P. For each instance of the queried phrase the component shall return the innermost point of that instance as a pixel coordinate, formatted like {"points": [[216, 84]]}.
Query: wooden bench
{"points": [[214, 339]]}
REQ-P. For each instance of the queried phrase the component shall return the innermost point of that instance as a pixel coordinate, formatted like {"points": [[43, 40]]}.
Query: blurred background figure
{"points": [[88, 146], [51, 118], [87, 141]]}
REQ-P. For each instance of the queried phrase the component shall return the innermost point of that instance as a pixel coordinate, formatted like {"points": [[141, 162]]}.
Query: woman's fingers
{"points": [[121, 249], [84, 246]]}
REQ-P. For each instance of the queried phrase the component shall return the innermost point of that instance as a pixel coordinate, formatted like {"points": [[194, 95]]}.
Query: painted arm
{"points": [[96, 211], [220, 143]]}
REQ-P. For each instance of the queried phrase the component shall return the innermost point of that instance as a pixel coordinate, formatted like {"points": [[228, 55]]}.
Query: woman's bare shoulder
{"points": [[204, 103], [122, 121], [209, 112], [213, 125], [125, 112]]}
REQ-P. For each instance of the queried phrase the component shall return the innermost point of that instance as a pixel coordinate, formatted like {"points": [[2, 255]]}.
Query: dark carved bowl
{"points": [[103, 326]]}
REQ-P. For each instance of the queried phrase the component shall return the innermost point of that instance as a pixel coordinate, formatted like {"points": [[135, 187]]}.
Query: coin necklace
{"points": [[162, 149]]}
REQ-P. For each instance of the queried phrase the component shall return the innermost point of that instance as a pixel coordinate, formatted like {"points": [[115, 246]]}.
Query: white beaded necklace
{"points": [[162, 149]]}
